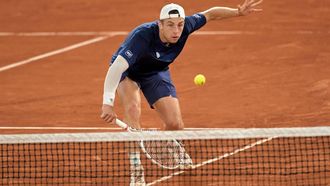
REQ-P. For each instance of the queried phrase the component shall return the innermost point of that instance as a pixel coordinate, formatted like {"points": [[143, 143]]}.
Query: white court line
{"points": [[102, 36], [122, 33], [212, 160], [13, 65], [35, 34], [109, 33]]}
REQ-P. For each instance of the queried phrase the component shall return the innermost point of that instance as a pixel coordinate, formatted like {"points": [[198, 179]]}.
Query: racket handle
{"points": [[121, 124]]}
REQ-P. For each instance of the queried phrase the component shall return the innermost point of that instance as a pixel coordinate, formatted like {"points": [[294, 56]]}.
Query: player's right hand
{"points": [[108, 114]]}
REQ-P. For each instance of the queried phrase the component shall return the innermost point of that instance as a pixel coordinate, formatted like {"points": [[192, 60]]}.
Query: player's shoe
{"points": [[137, 175], [137, 171]]}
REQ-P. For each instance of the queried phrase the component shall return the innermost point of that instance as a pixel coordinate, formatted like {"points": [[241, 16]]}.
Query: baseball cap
{"points": [[171, 11]]}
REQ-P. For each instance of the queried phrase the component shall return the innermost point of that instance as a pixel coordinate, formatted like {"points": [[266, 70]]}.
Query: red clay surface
{"points": [[275, 74]]}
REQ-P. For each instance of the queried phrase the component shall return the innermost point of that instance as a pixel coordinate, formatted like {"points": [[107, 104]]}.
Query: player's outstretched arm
{"points": [[247, 7], [110, 85]]}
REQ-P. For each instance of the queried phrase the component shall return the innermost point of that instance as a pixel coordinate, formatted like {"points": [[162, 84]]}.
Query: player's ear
{"points": [[160, 24]]}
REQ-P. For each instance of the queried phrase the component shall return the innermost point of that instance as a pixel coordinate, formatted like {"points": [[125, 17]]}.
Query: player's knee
{"points": [[133, 111], [175, 124]]}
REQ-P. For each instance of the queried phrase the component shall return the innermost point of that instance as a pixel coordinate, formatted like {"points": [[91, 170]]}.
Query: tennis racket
{"points": [[168, 154]]}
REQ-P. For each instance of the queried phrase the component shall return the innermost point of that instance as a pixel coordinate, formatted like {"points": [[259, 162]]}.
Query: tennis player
{"points": [[142, 63]]}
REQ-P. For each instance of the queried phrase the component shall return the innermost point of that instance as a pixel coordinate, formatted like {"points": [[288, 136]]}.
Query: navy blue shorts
{"points": [[154, 86]]}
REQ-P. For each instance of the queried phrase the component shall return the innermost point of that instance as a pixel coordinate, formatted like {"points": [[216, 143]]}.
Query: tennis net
{"points": [[278, 156]]}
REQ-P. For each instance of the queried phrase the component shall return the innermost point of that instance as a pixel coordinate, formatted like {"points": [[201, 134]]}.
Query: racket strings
{"points": [[167, 153]]}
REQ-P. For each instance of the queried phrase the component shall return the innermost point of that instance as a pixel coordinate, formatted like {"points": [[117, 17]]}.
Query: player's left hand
{"points": [[249, 6], [108, 114]]}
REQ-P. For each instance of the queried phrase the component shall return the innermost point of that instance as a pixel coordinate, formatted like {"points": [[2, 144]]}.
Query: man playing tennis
{"points": [[141, 63]]}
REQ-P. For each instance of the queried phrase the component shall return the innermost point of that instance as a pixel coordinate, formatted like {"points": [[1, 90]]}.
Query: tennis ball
{"points": [[199, 79]]}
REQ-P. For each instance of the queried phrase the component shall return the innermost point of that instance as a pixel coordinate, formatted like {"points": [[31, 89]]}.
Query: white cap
{"points": [[171, 11]]}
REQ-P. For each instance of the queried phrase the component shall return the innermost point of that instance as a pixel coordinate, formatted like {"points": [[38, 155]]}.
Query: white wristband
{"points": [[108, 98]]}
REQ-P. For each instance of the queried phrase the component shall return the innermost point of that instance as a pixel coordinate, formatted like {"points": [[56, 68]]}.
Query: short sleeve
{"points": [[133, 47], [194, 22]]}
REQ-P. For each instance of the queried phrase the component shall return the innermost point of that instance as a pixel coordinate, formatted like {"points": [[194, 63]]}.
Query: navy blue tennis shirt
{"points": [[145, 52]]}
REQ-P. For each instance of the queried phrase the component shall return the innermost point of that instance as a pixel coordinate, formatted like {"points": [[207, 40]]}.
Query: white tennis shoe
{"points": [[137, 171], [137, 175]]}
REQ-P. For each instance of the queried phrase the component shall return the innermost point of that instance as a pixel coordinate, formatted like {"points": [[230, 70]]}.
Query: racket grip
{"points": [[121, 124]]}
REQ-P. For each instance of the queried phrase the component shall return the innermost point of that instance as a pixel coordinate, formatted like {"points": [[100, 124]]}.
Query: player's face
{"points": [[170, 30]]}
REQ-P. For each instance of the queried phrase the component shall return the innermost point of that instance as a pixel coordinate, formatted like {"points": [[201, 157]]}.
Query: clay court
{"points": [[265, 70]]}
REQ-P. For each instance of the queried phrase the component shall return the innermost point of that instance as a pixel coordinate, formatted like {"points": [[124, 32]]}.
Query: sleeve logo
{"points": [[157, 55], [197, 16], [129, 53]]}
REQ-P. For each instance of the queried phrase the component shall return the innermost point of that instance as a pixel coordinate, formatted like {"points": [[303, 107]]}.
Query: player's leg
{"points": [[129, 94], [169, 111], [161, 95]]}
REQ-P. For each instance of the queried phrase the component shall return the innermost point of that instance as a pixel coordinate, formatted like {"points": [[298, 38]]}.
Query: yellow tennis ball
{"points": [[199, 79]]}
